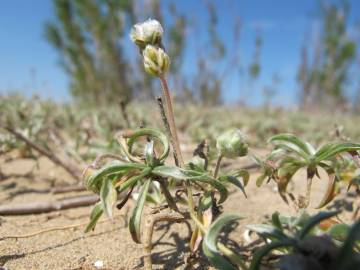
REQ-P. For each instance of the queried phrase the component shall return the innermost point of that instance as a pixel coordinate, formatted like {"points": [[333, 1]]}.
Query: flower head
{"points": [[148, 32], [156, 61], [232, 144]]}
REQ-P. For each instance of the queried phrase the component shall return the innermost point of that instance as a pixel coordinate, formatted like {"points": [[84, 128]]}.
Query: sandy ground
{"points": [[110, 243]]}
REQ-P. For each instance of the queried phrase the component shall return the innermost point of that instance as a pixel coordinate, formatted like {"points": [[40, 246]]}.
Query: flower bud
{"points": [[148, 32], [156, 61], [232, 144], [196, 163]]}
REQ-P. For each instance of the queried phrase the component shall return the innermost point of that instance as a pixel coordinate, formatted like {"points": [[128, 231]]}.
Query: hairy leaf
{"points": [[339, 232], [108, 196], [267, 231], [135, 219], [133, 180], [293, 143], [330, 190], [275, 220], [233, 180], [333, 149], [149, 153], [112, 168], [182, 174], [261, 253], [94, 217], [210, 242], [346, 256], [153, 134], [313, 221], [260, 180]]}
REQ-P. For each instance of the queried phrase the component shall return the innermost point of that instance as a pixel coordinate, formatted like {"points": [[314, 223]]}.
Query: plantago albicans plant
{"points": [[294, 154], [132, 170], [302, 241]]}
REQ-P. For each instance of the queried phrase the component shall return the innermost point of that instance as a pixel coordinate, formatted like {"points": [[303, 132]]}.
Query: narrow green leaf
{"points": [[261, 253], [108, 196], [260, 180], [149, 153], [292, 149], [293, 143], [153, 134], [133, 180], [335, 149], [339, 232], [346, 256], [243, 174], [313, 221], [190, 175], [298, 221], [323, 150], [291, 138], [209, 244], [267, 231], [205, 202], [330, 190], [285, 174], [275, 220], [113, 167], [135, 219], [94, 217], [233, 180]]}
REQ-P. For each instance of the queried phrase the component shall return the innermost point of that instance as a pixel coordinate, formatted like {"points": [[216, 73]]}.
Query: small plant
{"points": [[292, 154], [136, 169], [309, 242]]}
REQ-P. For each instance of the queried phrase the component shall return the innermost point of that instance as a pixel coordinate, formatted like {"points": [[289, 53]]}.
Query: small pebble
{"points": [[99, 264]]}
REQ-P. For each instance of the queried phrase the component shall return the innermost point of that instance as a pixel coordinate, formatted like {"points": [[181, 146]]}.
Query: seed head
{"points": [[232, 144], [156, 61], [148, 32]]}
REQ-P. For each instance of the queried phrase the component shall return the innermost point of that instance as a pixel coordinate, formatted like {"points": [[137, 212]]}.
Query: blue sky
{"points": [[30, 65]]}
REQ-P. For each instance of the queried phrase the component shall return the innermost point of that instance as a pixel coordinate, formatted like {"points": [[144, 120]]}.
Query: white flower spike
{"points": [[156, 61], [148, 32]]}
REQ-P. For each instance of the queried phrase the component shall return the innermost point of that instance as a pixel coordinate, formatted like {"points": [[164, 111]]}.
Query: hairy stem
{"points": [[168, 129], [171, 119], [124, 113], [217, 167], [168, 196], [170, 116]]}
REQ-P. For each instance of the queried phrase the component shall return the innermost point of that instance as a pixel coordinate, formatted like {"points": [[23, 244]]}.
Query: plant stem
{"points": [[167, 128], [308, 191], [167, 195], [149, 229], [170, 117], [217, 167]]}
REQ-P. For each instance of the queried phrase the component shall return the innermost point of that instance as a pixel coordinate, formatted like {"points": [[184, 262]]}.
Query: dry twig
{"points": [[54, 158], [48, 206]]}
